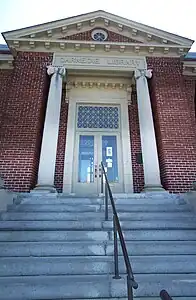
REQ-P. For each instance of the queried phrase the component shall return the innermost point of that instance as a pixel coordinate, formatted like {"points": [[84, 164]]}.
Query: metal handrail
{"points": [[164, 295], [131, 283]]}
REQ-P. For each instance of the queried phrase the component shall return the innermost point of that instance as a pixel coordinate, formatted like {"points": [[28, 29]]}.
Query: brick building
{"points": [[91, 88]]}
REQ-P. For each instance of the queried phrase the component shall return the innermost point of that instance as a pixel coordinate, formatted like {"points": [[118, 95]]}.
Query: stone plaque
{"points": [[100, 62]]}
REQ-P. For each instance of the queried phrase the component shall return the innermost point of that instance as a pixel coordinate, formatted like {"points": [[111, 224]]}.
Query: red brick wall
{"points": [[172, 97], [138, 172], [23, 105], [59, 168], [112, 37], [5, 83], [21, 131]]}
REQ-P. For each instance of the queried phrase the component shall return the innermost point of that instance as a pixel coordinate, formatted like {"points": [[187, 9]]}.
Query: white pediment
{"points": [[146, 33], [56, 32]]}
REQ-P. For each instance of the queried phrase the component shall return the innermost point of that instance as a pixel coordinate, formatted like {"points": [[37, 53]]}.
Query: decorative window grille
{"points": [[98, 117]]}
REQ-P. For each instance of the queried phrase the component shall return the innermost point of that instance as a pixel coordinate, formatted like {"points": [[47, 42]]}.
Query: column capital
{"points": [[143, 73], [56, 70]]}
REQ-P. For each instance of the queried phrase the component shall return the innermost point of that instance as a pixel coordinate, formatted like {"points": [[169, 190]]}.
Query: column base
{"points": [[44, 189], [150, 188]]}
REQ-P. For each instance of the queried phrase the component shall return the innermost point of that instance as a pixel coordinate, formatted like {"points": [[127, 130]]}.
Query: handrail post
{"points": [[101, 181], [116, 269], [129, 289], [106, 202]]}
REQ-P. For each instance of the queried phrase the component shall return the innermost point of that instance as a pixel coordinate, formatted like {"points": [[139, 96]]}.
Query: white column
{"points": [[147, 133], [51, 129]]}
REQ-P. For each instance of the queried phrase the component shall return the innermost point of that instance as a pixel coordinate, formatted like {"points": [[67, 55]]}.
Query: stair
{"points": [[62, 248]]}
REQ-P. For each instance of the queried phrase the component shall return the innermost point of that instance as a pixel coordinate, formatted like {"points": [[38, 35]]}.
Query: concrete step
{"points": [[150, 208], [86, 248], [54, 235], [97, 225], [86, 265], [52, 225], [63, 235], [53, 249], [60, 200], [154, 248], [81, 287], [54, 207], [55, 216], [85, 201], [160, 235], [95, 208]]}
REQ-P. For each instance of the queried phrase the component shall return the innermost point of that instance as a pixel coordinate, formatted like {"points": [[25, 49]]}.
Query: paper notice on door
{"points": [[109, 162], [108, 151]]}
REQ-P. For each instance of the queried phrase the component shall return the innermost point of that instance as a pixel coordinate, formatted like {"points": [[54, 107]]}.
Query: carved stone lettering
{"points": [[105, 62], [80, 60], [124, 62]]}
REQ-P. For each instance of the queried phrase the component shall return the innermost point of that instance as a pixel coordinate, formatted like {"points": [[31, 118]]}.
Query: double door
{"points": [[90, 149]]}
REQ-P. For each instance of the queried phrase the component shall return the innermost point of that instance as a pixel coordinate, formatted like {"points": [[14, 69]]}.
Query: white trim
{"points": [[71, 42], [77, 97], [189, 68], [6, 57], [6, 61], [55, 45]]}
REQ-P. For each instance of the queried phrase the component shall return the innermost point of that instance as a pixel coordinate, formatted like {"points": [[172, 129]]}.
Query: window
{"points": [[98, 117], [99, 35]]}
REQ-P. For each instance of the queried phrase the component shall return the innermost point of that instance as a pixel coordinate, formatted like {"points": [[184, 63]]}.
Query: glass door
{"points": [[91, 148], [112, 160]]}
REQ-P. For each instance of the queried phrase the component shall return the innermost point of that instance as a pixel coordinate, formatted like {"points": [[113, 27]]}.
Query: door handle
{"points": [[95, 171], [100, 171]]}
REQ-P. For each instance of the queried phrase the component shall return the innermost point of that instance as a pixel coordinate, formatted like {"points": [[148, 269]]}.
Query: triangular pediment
{"points": [[79, 28]]}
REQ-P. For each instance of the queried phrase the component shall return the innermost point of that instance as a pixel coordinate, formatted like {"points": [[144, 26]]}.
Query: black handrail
{"points": [[131, 283], [164, 295]]}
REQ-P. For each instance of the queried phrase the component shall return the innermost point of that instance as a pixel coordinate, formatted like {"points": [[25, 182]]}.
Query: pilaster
{"points": [[51, 129]]}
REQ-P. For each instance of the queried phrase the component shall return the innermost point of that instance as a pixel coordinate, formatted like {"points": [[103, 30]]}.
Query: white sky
{"points": [[176, 16]]}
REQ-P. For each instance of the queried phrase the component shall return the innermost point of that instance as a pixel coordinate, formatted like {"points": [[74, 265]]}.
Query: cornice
{"points": [[189, 68], [6, 61], [50, 45]]}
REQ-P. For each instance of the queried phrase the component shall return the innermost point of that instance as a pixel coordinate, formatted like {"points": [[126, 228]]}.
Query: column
{"points": [[50, 133], [147, 133]]}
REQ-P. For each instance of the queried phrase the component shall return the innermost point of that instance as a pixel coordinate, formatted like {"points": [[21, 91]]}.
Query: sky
{"points": [[175, 16]]}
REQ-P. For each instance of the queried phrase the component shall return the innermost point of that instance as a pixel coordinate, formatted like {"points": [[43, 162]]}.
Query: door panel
{"points": [[109, 157], [86, 159], [85, 164]]}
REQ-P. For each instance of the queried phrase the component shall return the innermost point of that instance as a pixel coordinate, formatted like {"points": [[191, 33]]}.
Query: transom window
{"points": [[98, 117]]}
